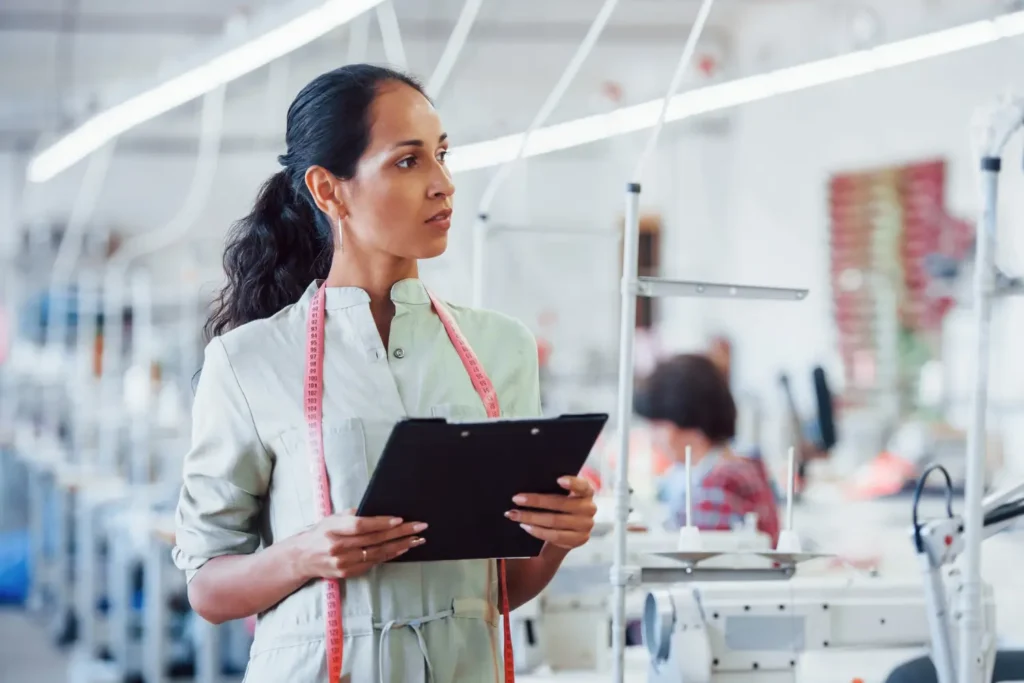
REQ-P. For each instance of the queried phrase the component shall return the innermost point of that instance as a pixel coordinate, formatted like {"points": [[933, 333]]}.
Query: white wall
{"points": [[784, 150]]}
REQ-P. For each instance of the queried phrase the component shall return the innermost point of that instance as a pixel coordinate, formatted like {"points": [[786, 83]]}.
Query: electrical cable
{"points": [[451, 51], [391, 35], [552, 101], [1003, 513], [684, 63], [478, 234], [918, 542]]}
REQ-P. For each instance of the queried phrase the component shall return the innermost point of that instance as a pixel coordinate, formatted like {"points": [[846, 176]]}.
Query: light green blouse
{"points": [[247, 478]]}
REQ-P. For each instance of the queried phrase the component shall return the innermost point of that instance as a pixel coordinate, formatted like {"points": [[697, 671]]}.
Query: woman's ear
{"points": [[325, 190]]}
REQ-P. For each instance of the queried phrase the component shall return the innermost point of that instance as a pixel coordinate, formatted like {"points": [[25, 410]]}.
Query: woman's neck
{"points": [[376, 275]]}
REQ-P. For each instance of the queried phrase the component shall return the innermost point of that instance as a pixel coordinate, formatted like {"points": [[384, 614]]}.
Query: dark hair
{"points": [[285, 242], [691, 392]]}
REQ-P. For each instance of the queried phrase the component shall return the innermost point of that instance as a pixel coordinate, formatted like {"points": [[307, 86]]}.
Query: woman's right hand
{"points": [[344, 546]]}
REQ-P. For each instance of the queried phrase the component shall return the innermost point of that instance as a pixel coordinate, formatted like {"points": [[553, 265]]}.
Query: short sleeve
{"points": [[525, 389], [226, 471]]}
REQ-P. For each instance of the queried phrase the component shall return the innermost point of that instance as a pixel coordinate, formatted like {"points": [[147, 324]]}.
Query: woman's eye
{"points": [[407, 162], [442, 155]]}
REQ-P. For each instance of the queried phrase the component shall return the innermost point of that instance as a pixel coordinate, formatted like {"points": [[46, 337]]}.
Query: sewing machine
{"points": [[567, 626], [724, 630], [803, 630], [744, 614], [820, 629]]}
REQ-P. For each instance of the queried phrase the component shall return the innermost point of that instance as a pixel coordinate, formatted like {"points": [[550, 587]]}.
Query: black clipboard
{"points": [[459, 478]]}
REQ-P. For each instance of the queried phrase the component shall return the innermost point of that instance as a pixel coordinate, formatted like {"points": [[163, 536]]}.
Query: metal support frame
{"points": [[140, 465], [993, 128], [970, 663], [655, 287], [673, 575], [632, 286]]}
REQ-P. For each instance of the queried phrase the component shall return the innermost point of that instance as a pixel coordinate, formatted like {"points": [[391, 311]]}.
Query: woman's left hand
{"points": [[563, 521]]}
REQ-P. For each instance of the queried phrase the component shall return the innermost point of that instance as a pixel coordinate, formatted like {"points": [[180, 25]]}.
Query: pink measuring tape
{"points": [[318, 463]]}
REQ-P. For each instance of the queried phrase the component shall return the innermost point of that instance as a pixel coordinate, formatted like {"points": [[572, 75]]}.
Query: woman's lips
{"points": [[441, 219]]}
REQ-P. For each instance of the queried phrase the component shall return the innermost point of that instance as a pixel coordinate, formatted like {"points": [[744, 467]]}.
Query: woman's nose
{"points": [[442, 185]]}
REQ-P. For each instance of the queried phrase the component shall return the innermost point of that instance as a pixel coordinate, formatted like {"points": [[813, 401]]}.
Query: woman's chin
{"points": [[434, 248]]}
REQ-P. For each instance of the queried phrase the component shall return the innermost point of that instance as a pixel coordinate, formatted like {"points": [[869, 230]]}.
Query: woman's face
{"points": [[400, 200]]}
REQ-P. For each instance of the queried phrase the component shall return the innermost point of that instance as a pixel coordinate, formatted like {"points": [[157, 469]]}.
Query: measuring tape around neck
{"points": [[318, 463]]}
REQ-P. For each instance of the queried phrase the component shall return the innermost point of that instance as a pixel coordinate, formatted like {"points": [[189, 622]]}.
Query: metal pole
{"points": [[689, 485], [479, 237], [191, 325], [85, 400], [971, 625], [790, 486], [70, 250], [938, 615], [627, 337], [141, 462], [108, 443]]}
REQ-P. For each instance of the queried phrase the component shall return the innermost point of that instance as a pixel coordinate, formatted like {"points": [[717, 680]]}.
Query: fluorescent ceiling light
{"points": [[740, 91], [197, 81]]}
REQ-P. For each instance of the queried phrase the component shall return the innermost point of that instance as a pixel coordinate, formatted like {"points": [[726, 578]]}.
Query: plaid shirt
{"points": [[725, 491]]}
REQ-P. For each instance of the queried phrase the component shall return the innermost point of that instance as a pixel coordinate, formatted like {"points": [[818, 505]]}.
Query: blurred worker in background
{"points": [[688, 402]]}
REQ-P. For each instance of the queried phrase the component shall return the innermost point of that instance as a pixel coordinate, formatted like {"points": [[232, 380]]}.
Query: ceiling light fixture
{"points": [[739, 91], [238, 60]]}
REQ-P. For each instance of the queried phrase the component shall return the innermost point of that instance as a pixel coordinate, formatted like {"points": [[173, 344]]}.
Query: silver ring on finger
{"points": [[364, 554]]}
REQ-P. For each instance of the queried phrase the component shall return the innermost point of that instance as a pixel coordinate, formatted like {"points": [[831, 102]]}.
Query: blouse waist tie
{"points": [[462, 608]]}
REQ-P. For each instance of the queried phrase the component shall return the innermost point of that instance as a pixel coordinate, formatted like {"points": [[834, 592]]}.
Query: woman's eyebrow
{"points": [[419, 143]]}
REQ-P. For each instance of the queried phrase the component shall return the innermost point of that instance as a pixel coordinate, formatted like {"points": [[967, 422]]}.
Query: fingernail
{"points": [[403, 551], [418, 541], [564, 481], [395, 521], [419, 527], [527, 527], [519, 499], [512, 514]]}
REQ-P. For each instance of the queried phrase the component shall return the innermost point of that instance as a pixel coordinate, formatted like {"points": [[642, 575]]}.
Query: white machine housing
{"points": [[568, 626], [817, 630]]}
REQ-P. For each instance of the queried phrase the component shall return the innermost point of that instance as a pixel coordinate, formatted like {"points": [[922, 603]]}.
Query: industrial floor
{"points": [[27, 654]]}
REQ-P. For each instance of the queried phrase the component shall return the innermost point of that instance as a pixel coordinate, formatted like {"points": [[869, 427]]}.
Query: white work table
{"points": [[636, 672]]}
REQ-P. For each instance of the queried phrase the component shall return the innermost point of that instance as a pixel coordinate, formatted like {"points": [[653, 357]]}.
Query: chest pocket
{"points": [[348, 467]]}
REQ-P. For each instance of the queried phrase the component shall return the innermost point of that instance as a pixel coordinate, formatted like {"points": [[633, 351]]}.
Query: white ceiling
{"points": [[58, 53], [62, 50]]}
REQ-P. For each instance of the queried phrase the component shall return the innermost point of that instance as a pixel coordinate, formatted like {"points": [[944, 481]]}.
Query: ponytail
{"points": [[271, 257], [286, 242]]}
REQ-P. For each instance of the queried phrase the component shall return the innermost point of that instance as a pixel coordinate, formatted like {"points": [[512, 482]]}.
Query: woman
{"points": [[688, 402], [363, 195]]}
